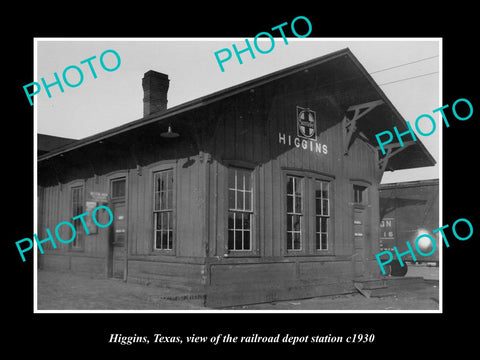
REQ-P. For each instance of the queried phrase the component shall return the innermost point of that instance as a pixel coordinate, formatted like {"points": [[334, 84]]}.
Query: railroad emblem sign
{"points": [[306, 124]]}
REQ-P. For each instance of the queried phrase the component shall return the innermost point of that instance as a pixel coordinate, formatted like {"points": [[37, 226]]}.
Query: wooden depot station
{"points": [[268, 190]]}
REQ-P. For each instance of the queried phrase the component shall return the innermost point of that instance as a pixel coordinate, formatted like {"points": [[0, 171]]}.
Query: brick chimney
{"points": [[155, 89]]}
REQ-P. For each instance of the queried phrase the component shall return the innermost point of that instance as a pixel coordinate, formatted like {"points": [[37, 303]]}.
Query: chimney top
{"points": [[155, 88]]}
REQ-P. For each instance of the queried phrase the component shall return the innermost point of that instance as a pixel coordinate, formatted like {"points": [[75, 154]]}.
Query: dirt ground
{"points": [[66, 291]]}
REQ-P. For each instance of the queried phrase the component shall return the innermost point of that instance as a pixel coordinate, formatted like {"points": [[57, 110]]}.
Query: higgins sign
{"points": [[306, 133]]}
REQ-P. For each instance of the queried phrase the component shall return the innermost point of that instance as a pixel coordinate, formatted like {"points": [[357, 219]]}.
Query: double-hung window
{"points": [[308, 213], [295, 196], [322, 214], [163, 210], [240, 209]]}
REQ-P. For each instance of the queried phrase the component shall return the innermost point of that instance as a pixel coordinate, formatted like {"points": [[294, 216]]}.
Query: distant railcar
{"points": [[408, 209]]}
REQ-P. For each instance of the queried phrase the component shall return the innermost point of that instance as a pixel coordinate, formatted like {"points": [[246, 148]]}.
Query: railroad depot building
{"points": [[264, 191]]}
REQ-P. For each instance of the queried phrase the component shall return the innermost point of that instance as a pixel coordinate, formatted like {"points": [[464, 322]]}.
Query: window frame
{"points": [[366, 192], [328, 216], [303, 226], [254, 241], [308, 227], [80, 231], [173, 210], [110, 188]]}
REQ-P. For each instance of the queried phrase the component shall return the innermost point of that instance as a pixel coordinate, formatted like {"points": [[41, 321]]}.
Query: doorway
{"points": [[118, 235], [358, 241]]}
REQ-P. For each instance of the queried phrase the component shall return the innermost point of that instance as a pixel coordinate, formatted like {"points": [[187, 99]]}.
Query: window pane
{"points": [[290, 185], [164, 240], [317, 241], [158, 182], [298, 204], [246, 240], [324, 228], [231, 199], [248, 200], [169, 184], [298, 187], [163, 200], [289, 240], [170, 240], [171, 199], [296, 241], [325, 207], [325, 190], [289, 222], [296, 223], [231, 243], [246, 221], [238, 240], [318, 188], [290, 204], [238, 221], [240, 180], [118, 188], [231, 216], [167, 200], [239, 200], [324, 242], [318, 206]]}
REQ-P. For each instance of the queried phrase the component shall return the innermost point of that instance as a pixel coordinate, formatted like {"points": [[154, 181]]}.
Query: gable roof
{"points": [[340, 70], [47, 143]]}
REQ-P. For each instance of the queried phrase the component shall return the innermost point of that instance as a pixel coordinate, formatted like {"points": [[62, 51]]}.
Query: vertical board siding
{"points": [[240, 130], [246, 130]]}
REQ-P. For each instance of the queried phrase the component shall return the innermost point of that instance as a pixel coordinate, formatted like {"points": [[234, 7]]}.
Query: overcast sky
{"points": [[116, 97]]}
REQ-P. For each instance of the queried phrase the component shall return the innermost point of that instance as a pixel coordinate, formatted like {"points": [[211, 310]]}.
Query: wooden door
{"points": [[359, 241], [118, 240]]}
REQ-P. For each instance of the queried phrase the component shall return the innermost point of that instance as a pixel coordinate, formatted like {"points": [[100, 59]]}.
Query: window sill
{"points": [[241, 254], [163, 252], [295, 253]]}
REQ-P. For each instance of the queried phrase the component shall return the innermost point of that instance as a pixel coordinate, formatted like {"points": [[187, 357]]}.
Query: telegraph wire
{"points": [[404, 64], [409, 78]]}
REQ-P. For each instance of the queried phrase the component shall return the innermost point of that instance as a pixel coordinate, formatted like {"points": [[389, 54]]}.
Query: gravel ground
{"points": [[66, 291]]}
